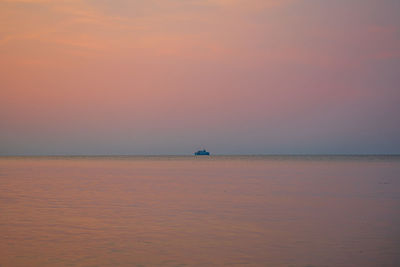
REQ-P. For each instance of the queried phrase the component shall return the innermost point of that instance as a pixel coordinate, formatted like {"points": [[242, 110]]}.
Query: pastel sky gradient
{"points": [[170, 76]]}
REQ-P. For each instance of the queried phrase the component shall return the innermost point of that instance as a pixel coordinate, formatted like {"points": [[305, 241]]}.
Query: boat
{"points": [[202, 153]]}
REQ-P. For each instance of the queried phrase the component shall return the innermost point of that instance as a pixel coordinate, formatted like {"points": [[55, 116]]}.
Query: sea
{"points": [[304, 211]]}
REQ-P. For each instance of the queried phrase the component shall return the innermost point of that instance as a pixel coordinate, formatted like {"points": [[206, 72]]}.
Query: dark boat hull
{"points": [[202, 153]]}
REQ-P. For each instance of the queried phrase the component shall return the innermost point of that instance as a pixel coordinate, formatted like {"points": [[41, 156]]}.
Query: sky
{"points": [[100, 77]]}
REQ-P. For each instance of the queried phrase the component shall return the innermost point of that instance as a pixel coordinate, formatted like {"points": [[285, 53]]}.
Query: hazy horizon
{"points": [[211, 155]]}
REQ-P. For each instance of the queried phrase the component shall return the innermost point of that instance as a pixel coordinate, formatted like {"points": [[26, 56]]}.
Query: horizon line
{"points": [[183, 155]]}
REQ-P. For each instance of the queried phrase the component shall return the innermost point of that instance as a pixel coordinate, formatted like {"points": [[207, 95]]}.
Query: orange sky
{"points": [[150, 77]]}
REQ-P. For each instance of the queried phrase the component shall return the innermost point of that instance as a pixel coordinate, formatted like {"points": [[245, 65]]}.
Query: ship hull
{"points": [[202, 153]]}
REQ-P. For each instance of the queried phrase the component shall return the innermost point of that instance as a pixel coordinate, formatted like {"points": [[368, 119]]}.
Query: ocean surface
{"points": [[200, 211]]}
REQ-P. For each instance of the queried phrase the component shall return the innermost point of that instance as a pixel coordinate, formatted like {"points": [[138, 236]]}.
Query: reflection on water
{"points": [[207, 211]]}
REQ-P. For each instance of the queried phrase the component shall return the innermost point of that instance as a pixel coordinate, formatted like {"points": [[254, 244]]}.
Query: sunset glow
{"points": [[165, 77]]}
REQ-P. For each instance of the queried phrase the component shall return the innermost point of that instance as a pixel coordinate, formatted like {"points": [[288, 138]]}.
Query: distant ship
{"points": [[202, 153]]}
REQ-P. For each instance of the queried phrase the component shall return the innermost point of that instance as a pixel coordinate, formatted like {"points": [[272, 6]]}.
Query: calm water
{"points": [[205, 211]]}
